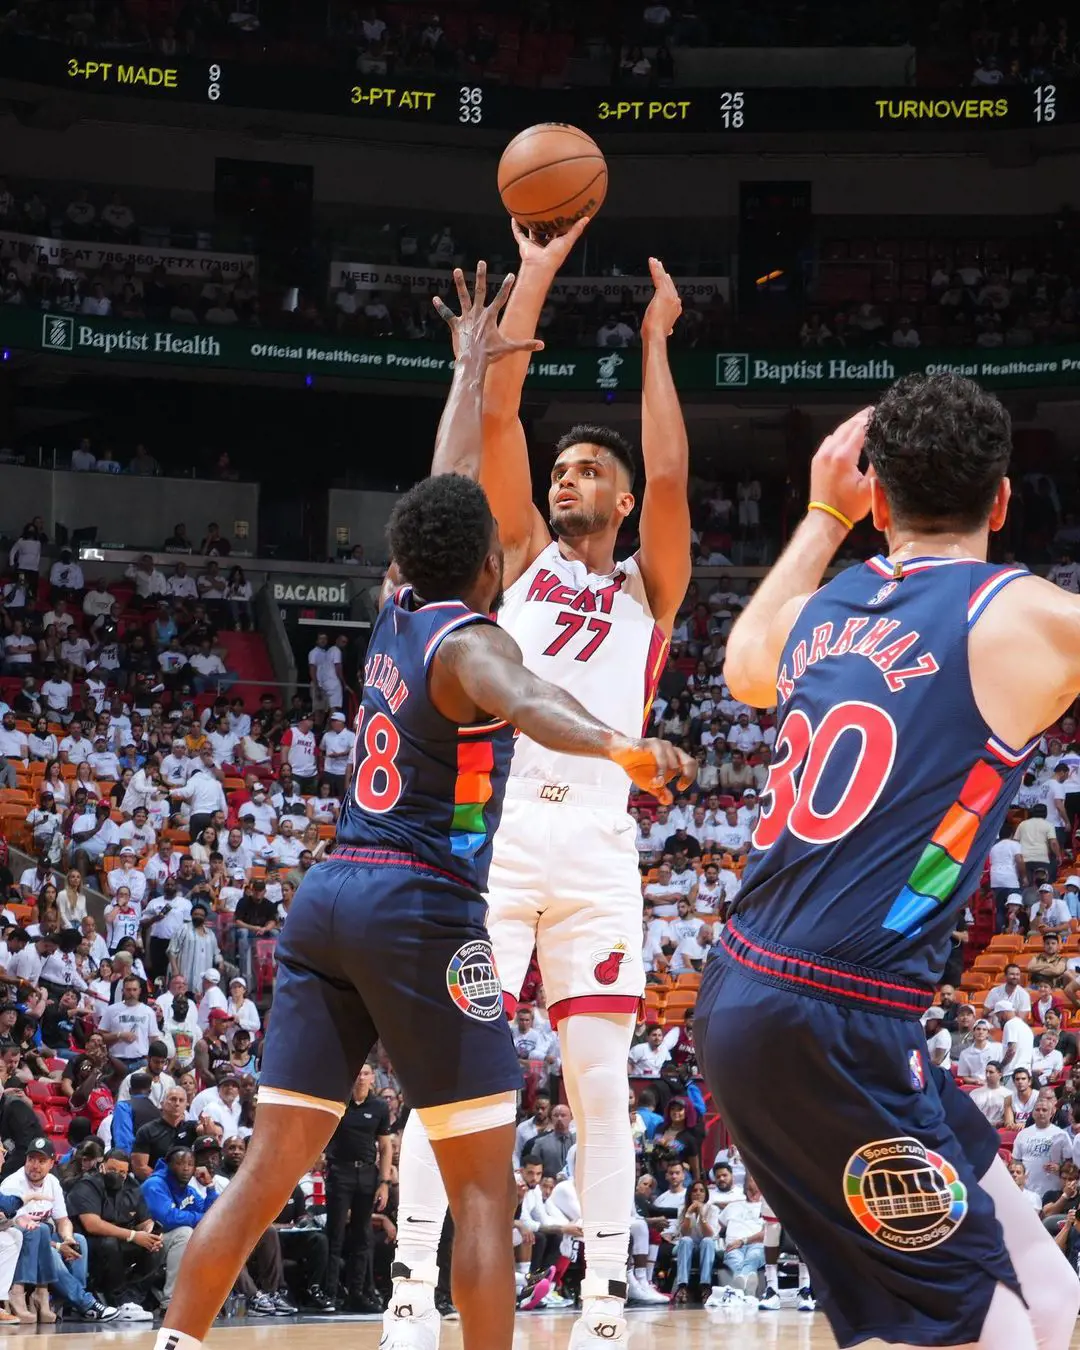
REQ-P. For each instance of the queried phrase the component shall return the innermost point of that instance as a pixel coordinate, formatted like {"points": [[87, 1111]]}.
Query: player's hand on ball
{"points": [[475, 331], [665, 306], [547, 254], [835, 477], [653, 763]]}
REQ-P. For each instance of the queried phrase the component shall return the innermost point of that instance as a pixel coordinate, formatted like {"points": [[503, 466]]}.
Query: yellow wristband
{"points": [[832, 511]]}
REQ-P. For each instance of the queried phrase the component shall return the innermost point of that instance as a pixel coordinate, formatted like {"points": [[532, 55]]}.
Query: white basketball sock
{"points": [[1048, 1282], [175, 1340], [804, 1275], [594, 1051], [772, 1277], [422, 1204]]}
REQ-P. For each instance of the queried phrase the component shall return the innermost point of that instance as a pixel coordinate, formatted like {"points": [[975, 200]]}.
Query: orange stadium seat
{"points": [[1005, 942]]}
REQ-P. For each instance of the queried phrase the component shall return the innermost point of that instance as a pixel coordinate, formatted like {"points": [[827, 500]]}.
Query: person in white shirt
{"points": [[337, 747], [211, 675], [14, 743], [1033, 1144], [97, 949], [1047, 1061], [731, 835], [938, 1040], [975, 1057], [181, 585], [213, 999], [104, 762], [75, 748], [698, 1231], [298, 750], [222, 740], [1007, 871], [98, 601], [129, 1027], [127, 874], [1019, 1174], [65, 575], [691, 952], [149, 582], [286, 848], [744, 735], [259, 811], [1017, 1041], [203, 793], [673, 1198], [994, 1099], [41, 1194], [647, 1060], [663, 893], [221, 1103], [716, 890], [177, 766], [1011, 992], [121, 918], [163, 864], [139, 833]]}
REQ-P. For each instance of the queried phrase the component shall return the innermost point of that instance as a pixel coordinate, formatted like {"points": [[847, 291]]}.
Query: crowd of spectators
{"points": [[1011, 45], [923, 292], [31, 279], [168, 826]]}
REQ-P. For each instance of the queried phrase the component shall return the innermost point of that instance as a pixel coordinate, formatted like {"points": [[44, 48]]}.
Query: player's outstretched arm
{"points": [[757, 640], [479, 669], [664, 555], [478, 343], [505, 474]]}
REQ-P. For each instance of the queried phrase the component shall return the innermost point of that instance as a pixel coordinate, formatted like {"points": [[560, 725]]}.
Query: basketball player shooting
{"points": [[911, 691], [564, 875], [386, 938]]}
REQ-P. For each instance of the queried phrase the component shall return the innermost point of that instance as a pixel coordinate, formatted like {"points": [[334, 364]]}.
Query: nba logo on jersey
{"points": [[883, 594], [473, 982], [915, 1068]]}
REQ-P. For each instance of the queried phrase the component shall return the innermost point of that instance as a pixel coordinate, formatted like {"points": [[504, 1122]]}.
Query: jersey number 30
{"points": [[378, 780], [802, 756]]}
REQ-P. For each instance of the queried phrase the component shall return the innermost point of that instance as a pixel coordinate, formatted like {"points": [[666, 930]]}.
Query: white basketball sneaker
{"points": [[411, 1321], [769, 1301], [639, 1290], [601, 1319], [807, 1302]]}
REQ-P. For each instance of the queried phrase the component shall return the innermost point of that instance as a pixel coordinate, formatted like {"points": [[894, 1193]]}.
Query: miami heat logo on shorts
{"points": [[608, 964], [473, 982], [903, 1195]]}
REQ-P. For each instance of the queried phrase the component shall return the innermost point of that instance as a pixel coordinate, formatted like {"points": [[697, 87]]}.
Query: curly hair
{"points": [[616, 444], [439, 535], [940, 446]]}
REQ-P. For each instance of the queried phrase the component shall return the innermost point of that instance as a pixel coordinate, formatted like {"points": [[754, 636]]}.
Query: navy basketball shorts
{"points": [[380, 946], [820, 1071]]}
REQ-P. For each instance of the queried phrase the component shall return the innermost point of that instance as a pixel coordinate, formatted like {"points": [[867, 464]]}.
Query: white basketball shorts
{"points": [[564, 877]]}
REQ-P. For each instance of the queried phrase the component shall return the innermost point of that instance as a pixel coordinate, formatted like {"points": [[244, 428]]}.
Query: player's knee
{"points": [[772, 1234]]}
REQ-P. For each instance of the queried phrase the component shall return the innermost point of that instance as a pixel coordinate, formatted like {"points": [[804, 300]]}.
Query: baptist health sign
{"points": [[61, 333], [740, 370]]}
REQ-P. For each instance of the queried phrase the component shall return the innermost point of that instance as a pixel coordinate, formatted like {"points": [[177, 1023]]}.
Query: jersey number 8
{"points": [[378, 782], [802, 755]]}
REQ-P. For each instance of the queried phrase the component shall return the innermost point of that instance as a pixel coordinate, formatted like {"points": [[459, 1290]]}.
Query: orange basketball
{"points": [[550, 176]]}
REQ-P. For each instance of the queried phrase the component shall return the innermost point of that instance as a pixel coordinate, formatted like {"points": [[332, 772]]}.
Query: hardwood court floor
{"points": [[662, 1329]]}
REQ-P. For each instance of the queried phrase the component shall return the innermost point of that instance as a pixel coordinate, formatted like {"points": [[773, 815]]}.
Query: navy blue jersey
{"points": [[887, 788], [420, 782]]}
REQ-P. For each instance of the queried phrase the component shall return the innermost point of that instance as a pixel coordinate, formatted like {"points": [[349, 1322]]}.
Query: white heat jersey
{"points": [[595, 637]]}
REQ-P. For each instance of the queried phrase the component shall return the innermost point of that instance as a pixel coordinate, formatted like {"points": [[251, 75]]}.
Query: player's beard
{"points": [[576, 524]]}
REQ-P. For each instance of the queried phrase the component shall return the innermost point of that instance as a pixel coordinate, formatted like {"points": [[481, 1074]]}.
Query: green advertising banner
{"points": [[255, 349]]}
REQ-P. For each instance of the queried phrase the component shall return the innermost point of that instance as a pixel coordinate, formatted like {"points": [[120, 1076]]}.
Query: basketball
{"points": [[550, 176]]}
